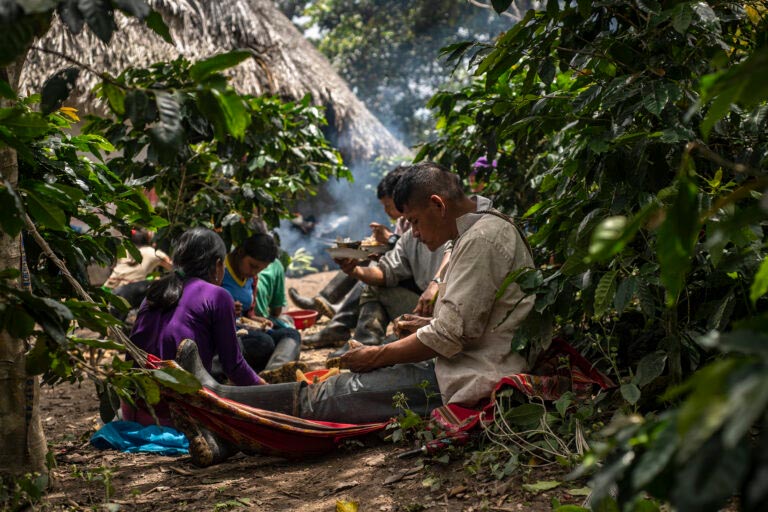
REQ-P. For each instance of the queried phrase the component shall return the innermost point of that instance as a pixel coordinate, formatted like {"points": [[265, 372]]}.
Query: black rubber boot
{"points": [[205, 447], [333, 334], [275, 397], [286, 350], [372, 324], [299, 300]]}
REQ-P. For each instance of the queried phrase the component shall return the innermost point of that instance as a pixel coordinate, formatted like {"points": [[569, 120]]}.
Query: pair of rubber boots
{"points": [[331, 294]]}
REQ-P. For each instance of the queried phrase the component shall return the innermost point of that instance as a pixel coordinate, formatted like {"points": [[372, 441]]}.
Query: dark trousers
{"points": [[264, 350]]}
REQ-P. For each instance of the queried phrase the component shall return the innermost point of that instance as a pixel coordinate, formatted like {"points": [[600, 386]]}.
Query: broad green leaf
{"points": [[47, 214], [659, 95], [511, 278], [155, 22], [630, 392], [604, 292], [745, 83], [541, 485], [136, 103], [25, 125], [168, 132], [562, 403], [98, 15], [17, 35], [606, 236], [151, 391], [57, 88], [649, 368], [236, 116], [750, 398], [654, 460], [647, 301], [526, 415], [11, 210], [575, 263], [6, 91], [115, 97], [204, 68], [682, 17], [677, 237], [38, 359], [624, 293], [760, 284], [176, 379], [18, 323]]}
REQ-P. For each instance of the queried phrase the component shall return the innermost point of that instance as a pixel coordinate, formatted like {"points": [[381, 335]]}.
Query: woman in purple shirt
{"points": [[190, 303]]}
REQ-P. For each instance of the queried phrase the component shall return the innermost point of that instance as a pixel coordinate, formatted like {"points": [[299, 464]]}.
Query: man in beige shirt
{"points": [[471, 335], [462, 352]]}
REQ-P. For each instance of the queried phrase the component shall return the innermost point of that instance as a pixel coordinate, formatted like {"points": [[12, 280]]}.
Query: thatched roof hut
{"points": [[287, 64]]}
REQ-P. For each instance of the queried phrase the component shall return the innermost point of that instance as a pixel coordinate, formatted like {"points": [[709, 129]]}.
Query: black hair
{"points": [[386, 187], [197, 252], [260, 246], [424, 179]]}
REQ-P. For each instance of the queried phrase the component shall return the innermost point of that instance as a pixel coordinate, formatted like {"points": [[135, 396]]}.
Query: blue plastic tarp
{"points": [[132, 437]]}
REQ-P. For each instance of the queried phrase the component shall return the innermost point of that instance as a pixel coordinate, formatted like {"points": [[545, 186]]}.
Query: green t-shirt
{"points": [[270, 289]]}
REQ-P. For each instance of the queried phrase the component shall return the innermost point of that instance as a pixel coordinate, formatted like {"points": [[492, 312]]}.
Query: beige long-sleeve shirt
{"points": [[472, 331]]}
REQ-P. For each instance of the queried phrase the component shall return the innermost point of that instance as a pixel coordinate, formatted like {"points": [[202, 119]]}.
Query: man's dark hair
{"points": [[387, 185], [260, 246], [423, 180], [196, 254]]}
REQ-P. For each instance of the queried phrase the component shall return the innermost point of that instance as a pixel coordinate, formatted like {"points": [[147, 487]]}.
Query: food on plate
{"points": [[370, 242]]}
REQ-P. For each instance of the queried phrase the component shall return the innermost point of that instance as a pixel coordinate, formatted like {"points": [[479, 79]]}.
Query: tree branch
{"points": [[719, 160]]}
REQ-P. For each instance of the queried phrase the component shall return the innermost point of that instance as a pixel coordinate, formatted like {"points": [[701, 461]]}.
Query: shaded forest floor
{"points": [[369, 473]]}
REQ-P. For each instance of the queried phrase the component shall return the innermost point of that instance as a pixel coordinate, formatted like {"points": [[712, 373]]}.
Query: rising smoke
{"points": [[346, 210]]}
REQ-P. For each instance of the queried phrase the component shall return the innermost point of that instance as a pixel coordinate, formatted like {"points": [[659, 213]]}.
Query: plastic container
{"points": [[303, 318], [316, 373]]}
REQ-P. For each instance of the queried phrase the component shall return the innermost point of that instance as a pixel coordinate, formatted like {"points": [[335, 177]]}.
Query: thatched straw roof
{"points": [[289, 65]]}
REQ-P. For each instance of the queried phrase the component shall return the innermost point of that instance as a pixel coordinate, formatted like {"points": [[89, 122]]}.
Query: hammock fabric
{"points": [[271, 433], [551, 380], [258, 430]]}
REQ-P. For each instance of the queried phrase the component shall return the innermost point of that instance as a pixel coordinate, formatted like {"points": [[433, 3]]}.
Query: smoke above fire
{"points": [[344, 209]]}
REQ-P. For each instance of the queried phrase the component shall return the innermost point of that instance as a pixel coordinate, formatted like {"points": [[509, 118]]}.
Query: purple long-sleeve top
{"points": [[206, 314]]}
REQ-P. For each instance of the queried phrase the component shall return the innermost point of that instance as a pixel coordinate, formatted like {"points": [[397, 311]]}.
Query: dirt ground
{"points": [[371, 475]]}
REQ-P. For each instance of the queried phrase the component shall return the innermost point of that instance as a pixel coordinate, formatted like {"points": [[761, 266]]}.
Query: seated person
{"points": [[464, 350], [129, 277], [274, 346], [190, 303], [328, 301], [270, 295], [401, 281]]}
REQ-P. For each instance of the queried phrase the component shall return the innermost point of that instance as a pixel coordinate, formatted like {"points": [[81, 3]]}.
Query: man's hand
{"points": [[238, 309], [362, 359], [408, 324], [380, 232], [426, 304], [347, 265]]}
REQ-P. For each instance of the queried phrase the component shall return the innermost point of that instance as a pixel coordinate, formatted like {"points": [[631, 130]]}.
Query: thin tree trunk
{"points": [[22, 441]]}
